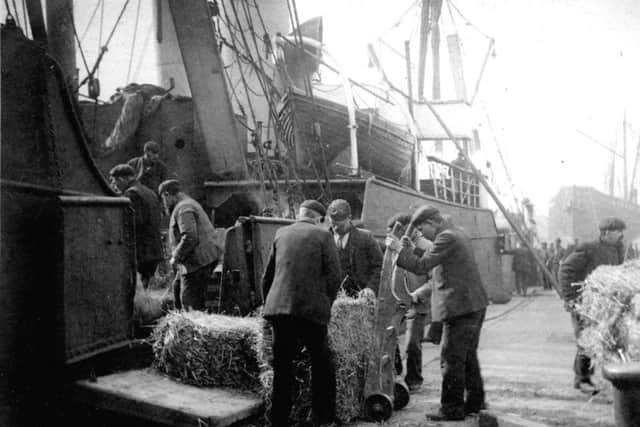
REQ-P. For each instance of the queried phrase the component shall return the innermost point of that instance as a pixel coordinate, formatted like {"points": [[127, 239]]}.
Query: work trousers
{"points": [[289, 334], [522, 279], [460, 366], [190, 291], [582, 363], [415, 332]]}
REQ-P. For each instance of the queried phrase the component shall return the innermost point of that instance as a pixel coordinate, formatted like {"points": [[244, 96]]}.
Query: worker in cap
{"points": [[315, 206], [359, 253], [148, 213], [573, 270], [192, 238], [148, 168], [460, 303], [419, 312], [300, 282]]}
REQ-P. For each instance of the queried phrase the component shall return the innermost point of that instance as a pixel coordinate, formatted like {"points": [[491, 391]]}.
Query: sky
{"points": [[559, 66]]}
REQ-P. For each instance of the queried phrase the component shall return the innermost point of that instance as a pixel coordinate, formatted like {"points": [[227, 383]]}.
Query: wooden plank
{"points": [[149, 395]]}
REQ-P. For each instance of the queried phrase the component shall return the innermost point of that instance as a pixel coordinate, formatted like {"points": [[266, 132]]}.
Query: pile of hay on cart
{"points": [[611, 303], [224, 351]]}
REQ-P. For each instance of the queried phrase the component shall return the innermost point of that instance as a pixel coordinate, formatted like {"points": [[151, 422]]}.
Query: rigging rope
{"points": [[467, 21], [100, 31], [104, 49], [133, 41], [75, 33], [145, 43], [93, 14], [17, 15]]}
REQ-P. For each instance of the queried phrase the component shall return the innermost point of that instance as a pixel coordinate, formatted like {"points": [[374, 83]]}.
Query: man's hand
{"points": [[407, 242], [393, 244], [367, 294], [172, 262], [570, 305], [414, 298]]}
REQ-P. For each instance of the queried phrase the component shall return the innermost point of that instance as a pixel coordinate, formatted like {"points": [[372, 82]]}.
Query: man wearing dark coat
{"points": [[147, 211], [148, 168], [194, 252], [607, 250], [359, 253], [299, 285], [459, 301]]}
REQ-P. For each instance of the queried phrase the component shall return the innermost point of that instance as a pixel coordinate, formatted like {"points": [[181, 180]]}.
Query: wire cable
{"points": [[467, 21], [93, 14], [75, 34], [133, 41]]}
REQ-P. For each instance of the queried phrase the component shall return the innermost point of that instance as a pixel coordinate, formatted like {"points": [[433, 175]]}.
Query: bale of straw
{"points": [[151, 304], [351, 341], [224, 351], [208, 349], [611, 303]]}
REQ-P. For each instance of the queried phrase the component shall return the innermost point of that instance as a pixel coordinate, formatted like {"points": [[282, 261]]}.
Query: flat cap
{"points": [[612, 223], [401, 217], [339, 210], [424, 213], [314, 205], [122, 170], [151, 146], [171, 186]]}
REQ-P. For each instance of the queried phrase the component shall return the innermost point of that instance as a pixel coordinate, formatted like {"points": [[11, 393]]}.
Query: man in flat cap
{"points": [[147, 211], [419, 313], [300, 283], [148, 168], [459, 301], [359, 253], [573, 270], [192, 239]]}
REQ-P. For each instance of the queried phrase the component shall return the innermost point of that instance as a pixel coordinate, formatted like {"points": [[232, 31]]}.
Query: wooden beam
{"points": [[203, 66]]}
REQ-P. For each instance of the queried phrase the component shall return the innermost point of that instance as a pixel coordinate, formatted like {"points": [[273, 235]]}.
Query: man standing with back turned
{"points": [[147, 218], [299, 285], [459, 301], [607, 250]]}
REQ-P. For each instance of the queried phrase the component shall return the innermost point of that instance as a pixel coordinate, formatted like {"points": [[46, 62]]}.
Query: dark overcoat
{"points": [[582, 261], [147, 218], [363, 261], [302, 276], [461, 290]]}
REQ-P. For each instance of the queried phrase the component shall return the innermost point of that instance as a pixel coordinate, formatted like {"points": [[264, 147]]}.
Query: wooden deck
{"points": [[148, 395]]}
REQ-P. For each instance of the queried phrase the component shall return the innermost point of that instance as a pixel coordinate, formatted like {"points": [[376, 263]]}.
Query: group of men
{"points": [[310, 262], [308, 265], [146, 182]]}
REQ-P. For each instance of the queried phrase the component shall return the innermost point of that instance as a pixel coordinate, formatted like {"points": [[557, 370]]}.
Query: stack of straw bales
{"points": [[224, 351], [611, 303]]}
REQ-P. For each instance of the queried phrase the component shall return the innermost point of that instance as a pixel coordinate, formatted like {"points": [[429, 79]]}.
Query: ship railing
{"points": [[451, 183]]}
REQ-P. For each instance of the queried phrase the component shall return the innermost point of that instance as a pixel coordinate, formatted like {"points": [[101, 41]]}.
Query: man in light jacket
{"points": [[192, 240]]}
